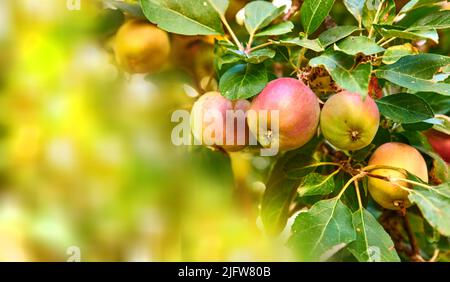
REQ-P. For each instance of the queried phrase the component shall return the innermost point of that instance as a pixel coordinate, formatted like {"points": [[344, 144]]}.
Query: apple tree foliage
{"points": [[380, 54]]}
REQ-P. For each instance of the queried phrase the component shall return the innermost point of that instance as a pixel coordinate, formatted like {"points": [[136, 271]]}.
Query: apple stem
{"points": [[261, 46], [249, 44], [300, 58], [354, 178], [388, 41]]}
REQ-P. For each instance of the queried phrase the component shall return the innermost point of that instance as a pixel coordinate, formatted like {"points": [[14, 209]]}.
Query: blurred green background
{"points": [[86, 155]]}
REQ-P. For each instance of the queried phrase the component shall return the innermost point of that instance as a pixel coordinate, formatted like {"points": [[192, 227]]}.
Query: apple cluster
{"points": [[347, 121]]}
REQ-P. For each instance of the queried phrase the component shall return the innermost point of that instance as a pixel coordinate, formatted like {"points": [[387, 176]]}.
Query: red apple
{"points": [[440, 143], [298, 114], [211, 127]]}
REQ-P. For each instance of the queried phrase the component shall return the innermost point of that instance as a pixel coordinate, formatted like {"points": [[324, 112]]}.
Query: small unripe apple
{"points": [[398, 155], [298, 114], [141, 47], [211, 126], [348, 122], [440, 143]]}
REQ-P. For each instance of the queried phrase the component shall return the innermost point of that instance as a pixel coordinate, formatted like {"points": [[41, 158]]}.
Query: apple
{"points": [[397, 155], [440, 143], [141, 47], [348, 122], [210, 125], [298, 114]]}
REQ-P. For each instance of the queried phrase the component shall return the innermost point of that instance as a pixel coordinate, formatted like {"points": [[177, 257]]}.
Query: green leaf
{"points": [[420, 142], [439, 103], [335, 34], [439, 20], [219, 5], [259, 56], [386, 15], [259, 14], [340, 67], [390, 31], [226, 53], [435, 205], [277, 29], [301, 164], [355, 7], [416, 72], [276, 201], [243, 81], [129, 8], [316, 184], [186, 17], [404, 108], [349, 198], [324, 40], [322, 231], [372, 243], [313, 13], [394, 53], [442, 124], [353, 45], [312, 44], [281, 190], [227, 59], [415, 4]]}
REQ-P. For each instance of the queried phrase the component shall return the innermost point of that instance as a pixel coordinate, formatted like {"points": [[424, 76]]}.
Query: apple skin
{"points": [[440, 143], [348, 122], [141, 47], [299, 113], [397, 155], [200, 122]]}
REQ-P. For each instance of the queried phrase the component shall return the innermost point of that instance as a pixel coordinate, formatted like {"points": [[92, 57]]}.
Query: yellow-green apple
{"points": [[396, 155], [141, 47], [348, 122]]}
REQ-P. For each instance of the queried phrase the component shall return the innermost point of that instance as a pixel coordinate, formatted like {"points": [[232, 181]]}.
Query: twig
{"points": [[261, 46], [235, 39], [435, 256], [250, 42], [354, 178], [412, 240], [375, 20], [388, 41], [300, 58]]}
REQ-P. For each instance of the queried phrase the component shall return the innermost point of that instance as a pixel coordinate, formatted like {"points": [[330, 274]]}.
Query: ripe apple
{"points": [[348, 122], [397, 155], [141, 47], [209, 122], [298, 114], [440, 143]]}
